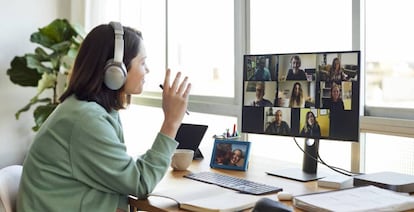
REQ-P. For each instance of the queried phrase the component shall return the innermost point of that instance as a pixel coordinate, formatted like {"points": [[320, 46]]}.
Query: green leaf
{"points": [[22, 75], [41, 54], [62, 47], [23, 109], [33, 62], [55, 61], [33, 101], [41, 113], [56, 32]]}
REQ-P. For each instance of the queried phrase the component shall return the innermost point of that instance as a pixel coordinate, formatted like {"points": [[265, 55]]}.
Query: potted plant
{"points": [[47, 67]]}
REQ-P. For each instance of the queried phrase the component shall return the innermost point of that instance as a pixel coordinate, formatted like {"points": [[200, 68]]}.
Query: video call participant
{"points": [[295, 73], [336, 74], [335, 103], [311, 127], [260, 92], [261, 73], [297, 99], [78, 160], [337, 115], [278, 126]]}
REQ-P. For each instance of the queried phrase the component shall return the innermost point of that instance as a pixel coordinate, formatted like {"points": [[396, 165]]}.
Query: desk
{"points": [[255, 172]]}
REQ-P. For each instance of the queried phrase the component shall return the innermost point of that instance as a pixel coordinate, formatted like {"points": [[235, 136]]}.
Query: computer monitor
{"points": [[312, 95]]}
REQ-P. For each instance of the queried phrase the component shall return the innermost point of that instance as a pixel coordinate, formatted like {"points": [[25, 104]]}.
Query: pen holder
{"points": [[222, 137]]}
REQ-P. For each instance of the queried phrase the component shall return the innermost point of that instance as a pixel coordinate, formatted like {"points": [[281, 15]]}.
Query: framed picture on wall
{"points": [[230, 154]]}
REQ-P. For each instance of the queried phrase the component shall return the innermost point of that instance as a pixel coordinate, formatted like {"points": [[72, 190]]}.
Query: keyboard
{"points": [[235, 183]]}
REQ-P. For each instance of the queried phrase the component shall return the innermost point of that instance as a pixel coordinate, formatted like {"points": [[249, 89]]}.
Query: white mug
{"points": [[182, 159]]}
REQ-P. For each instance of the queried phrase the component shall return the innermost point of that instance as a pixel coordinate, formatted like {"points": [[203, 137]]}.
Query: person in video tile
{"points": [[260, 92], [311, 128], [336, 74], [261, 73], [295, 73], [337, 115], [278, 126], [335, 103], [297, 99]]}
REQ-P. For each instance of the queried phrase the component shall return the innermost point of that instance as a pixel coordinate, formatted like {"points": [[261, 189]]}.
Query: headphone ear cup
{"points": [[115, 75]]}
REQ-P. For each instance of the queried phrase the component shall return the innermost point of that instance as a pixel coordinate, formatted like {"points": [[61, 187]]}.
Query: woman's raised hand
{"points": [[174, 102]]}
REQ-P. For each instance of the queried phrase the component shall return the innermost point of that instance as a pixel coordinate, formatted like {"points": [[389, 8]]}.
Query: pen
{"points": [[186, 112]]}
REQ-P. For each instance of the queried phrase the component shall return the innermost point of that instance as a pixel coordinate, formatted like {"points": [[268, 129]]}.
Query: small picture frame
{"points": [[230, 154]]}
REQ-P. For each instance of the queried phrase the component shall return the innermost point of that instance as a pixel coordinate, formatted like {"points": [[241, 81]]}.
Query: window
{"points": [[389, 153], [389, 76], [201, 44], [388, 47]]}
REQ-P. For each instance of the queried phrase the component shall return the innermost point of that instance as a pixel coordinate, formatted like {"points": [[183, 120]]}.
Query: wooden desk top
{"points": [[255, 172]]}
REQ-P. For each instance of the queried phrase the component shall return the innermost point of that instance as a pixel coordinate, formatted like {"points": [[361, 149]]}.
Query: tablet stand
{"points": [[198, 155]]}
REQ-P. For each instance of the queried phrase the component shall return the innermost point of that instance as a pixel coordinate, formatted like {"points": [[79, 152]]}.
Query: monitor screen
{"points": [[310, 95]]}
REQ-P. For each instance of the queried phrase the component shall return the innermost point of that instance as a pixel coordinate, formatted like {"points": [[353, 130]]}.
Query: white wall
{"points": [[19, 19]]}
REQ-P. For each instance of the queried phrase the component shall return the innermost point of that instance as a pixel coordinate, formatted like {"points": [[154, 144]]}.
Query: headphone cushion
{"points": [[115, 75]]}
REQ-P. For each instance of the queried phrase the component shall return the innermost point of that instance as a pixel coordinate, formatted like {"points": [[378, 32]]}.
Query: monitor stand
{"points": [[309, 166]]}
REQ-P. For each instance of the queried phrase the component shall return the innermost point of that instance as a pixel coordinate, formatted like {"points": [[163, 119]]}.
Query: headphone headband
{"points": [[119, 41]]}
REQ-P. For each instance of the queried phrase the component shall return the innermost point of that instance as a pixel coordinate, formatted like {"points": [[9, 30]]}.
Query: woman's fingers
{"points": [[167, 80]]}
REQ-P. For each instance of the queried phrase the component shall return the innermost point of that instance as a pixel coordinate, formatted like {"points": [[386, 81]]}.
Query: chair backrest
{"points": [[9, 186]]}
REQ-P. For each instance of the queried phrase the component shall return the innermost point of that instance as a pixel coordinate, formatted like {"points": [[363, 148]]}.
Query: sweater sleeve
{"points": [[99, 158]]}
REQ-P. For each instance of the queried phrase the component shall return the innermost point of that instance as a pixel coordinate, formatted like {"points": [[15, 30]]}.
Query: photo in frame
{"points": [[230, 154]]}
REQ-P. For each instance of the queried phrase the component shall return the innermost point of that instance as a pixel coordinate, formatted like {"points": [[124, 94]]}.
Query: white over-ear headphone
{"points": [[115, 70]]}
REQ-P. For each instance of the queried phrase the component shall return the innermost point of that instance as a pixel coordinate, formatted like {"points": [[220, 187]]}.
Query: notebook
{"points": [[189, 136]]}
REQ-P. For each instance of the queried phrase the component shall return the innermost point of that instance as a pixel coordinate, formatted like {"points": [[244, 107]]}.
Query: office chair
{"points": [[9, 186]]}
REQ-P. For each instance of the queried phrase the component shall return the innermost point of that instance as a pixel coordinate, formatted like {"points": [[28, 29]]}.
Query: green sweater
{"points": [[78, 162]]}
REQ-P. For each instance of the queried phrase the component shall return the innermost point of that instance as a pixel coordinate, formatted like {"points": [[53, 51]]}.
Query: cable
{"points": [[319, 160]]}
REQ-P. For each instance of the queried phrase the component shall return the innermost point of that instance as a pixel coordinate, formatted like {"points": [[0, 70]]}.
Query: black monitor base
{"points": [[309, 166], [296, 174]]}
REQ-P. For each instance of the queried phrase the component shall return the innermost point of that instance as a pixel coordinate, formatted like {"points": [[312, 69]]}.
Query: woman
{"points": [[78, 160], [336, 75], [336, 115], [295, 73], [311, 128], [296, 98], [335, 103]]}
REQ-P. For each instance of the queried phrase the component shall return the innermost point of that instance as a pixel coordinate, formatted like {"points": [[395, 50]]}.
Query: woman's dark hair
{"points": [[87, 77], [333, 66], [298, 99]]}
